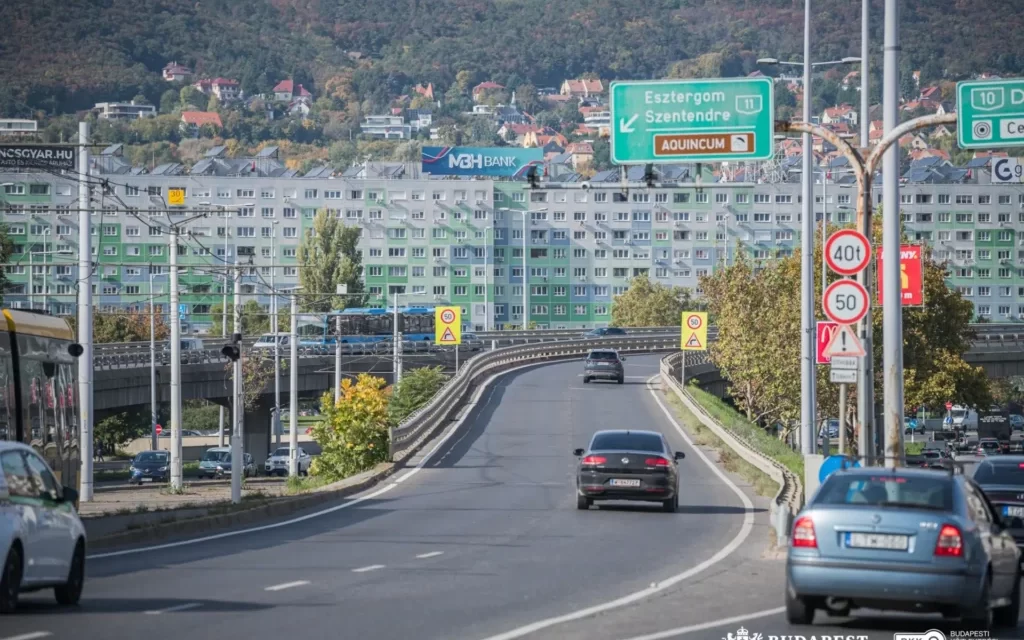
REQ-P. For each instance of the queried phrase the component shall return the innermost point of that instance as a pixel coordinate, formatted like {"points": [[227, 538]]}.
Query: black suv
{"points": [[604, 332], [604, 364]]}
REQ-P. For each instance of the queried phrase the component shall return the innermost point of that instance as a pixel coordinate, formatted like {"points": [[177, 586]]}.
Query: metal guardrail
{"points": [[421, 425], [789, 499], [136, 355]]}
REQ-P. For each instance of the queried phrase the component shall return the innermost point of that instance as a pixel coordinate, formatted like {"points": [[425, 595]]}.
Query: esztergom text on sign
{"points": [[707, 120]]}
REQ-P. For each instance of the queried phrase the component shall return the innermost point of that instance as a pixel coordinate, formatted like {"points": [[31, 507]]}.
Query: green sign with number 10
{"points": [[990, 113]]}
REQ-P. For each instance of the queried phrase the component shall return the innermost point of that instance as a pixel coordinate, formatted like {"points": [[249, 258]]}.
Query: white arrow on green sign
{"points": [[712, 120], [990, 113]]}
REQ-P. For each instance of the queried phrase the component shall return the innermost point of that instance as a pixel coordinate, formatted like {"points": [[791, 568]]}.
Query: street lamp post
{"points": [[277, 337], [152, 364]]}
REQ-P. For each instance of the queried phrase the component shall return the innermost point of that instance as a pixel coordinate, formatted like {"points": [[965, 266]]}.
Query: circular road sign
{"points": [[694, 322], [845, 301], [949, 406], [847, 252], [159, 429], [447, 316]]}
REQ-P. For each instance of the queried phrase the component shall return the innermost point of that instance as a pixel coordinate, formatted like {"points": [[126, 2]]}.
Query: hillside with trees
{"points": [[59, 56]]}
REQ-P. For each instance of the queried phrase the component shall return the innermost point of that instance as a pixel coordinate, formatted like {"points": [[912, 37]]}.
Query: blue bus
{"points": [[376, 324]]}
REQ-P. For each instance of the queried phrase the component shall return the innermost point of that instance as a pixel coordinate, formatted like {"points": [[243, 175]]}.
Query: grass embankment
{"points": [[761, 482]]}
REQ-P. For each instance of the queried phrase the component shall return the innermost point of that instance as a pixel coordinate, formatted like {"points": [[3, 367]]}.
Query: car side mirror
{"points": [[679, 455], [577, 452], [622, 358], [69, 495]]}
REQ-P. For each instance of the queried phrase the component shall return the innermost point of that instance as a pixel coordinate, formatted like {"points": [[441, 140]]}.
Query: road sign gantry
{"points": [[707, 120]]}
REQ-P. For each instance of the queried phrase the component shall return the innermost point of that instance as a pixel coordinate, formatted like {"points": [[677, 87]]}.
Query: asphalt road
{"points": [[484, 539]]}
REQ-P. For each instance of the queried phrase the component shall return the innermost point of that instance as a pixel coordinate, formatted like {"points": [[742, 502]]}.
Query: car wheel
{"points": [[69, 593], [980, 615], [622, 380], [10, 581], [1007, 616], [670, 506], [583, 502], [798, 610], [586, 380]]}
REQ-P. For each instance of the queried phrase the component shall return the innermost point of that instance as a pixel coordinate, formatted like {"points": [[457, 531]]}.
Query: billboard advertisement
{"points": [[1007, 171], [37, 156], [911, 275], [492, 162]]}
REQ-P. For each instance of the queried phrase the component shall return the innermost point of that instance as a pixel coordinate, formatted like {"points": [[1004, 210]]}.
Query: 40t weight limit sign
{"points": [[845, 302], [847, 252]]}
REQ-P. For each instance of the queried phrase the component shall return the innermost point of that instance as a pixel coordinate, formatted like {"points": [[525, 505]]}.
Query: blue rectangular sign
{"points": [[506, 162]]}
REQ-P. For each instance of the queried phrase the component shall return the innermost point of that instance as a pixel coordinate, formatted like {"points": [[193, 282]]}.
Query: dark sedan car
{"points": [[628, 465], [604, 364], [150, 466], [604, 332], [1002, 480]]}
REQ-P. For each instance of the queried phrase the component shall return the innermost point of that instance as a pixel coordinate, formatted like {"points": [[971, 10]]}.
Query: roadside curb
{"points": [[274, 508]]}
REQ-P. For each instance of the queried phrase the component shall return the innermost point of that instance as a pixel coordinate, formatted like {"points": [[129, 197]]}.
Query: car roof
{"points": [[612, 349], [912, 472], [11, 445], [1003, 460], [624, 431]]}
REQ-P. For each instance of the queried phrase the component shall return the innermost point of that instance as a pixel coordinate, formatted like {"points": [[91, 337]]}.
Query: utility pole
{"points": [[152, 363], [224, 325], [237, 452], [277, 338], [85, 314], [396, 342], [337, 360], [175, 317], [866, 365], [892, 303], [526, 281], [293, 388], [807, 342]]}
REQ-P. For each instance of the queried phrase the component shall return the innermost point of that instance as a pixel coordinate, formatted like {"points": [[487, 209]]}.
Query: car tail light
{"points": [[595, 460], [656, 462], [950, 543], [803, 533]]}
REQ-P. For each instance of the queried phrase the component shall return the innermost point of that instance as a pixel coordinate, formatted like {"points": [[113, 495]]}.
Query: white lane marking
{"points": [[722, 554], [345, 505], [372, 567], [287, 585], [682, 631], [180, 607], [30, 636], [432, 554]]}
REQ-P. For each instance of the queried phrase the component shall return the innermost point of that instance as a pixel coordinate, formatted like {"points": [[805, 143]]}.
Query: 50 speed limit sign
{"points": [[845, 301]]}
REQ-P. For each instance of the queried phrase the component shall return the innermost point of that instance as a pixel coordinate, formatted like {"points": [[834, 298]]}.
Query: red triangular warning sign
{"points": [[448, 336], [845, 343], [693, 342]]}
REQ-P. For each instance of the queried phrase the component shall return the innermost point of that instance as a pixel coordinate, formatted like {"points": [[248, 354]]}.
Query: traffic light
{"points": [[234, 350]]}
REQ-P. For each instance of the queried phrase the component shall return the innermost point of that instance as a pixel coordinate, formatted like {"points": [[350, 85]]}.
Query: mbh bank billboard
{"points": [[493, 162]]}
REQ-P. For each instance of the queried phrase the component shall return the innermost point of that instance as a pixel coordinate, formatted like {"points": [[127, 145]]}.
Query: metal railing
{"points": [[789, 498], [424, 423]]}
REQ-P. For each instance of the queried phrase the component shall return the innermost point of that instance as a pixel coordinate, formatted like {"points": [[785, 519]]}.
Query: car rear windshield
{"points": [[887, 491], [989, 444], [988, 473], [627, 442], [603, 355]]}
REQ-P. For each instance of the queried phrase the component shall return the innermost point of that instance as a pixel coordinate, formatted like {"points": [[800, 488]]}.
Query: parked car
{"points": [[911, 540], [277, 463], [216, 463], [1017, 422], [42, 540]]}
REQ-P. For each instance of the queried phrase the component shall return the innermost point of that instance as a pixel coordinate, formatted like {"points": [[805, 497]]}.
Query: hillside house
{"points": [[581, 88], [427, 91], [124, 110], [193, 121], [224, 89], [175, 72], [286, 91], [480, 90], [841, 113]]}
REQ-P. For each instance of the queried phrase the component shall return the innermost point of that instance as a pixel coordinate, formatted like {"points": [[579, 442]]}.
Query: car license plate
{"points": [[1014, 512], [877, 541], [624, 483], [147, 479]]}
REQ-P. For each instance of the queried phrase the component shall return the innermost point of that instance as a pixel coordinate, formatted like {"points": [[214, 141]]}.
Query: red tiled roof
{"points": [[841, 110], [224, 82], [484, 86], [199, 118], [585, 86], [285, 86], [580, 147]]}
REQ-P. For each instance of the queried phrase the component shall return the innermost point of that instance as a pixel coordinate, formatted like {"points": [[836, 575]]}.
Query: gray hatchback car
{"points": [[604, 364]]}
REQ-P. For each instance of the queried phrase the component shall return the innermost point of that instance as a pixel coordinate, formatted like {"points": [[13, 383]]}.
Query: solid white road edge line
{"points": [[722, 554], [682, 631], [287, 585], [30, 636], [180, 607], [455, 426], [432, 554], [372, 567]]}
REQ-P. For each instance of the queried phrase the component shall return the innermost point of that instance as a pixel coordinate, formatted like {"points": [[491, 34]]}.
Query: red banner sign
{"points": [[826, 330], [911, 275]]}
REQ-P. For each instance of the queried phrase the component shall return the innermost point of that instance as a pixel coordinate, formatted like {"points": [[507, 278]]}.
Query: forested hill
{"points": [[62, 55]]}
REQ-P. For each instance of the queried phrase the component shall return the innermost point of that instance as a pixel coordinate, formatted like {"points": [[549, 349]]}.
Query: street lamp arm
{"points": [[909, 126]]}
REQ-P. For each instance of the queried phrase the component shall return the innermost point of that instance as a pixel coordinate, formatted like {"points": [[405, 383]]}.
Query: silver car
{"points": [[912, 540], [277, 463]]}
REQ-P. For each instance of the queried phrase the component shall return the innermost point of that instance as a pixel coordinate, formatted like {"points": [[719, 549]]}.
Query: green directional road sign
{"points": [[708, 120], [990, 113]]}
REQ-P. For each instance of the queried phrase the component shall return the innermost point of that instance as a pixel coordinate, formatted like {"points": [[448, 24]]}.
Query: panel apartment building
{"points": [[459, 241]]}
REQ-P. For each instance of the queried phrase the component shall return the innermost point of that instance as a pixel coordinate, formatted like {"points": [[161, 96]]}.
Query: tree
{"points": [[200, 415], [353, 434], [256, 373], [526, 97], [649, 304], [117, 430], [329, 257], [191, 97], [169, 101], [416, 389], [127, 326]]}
